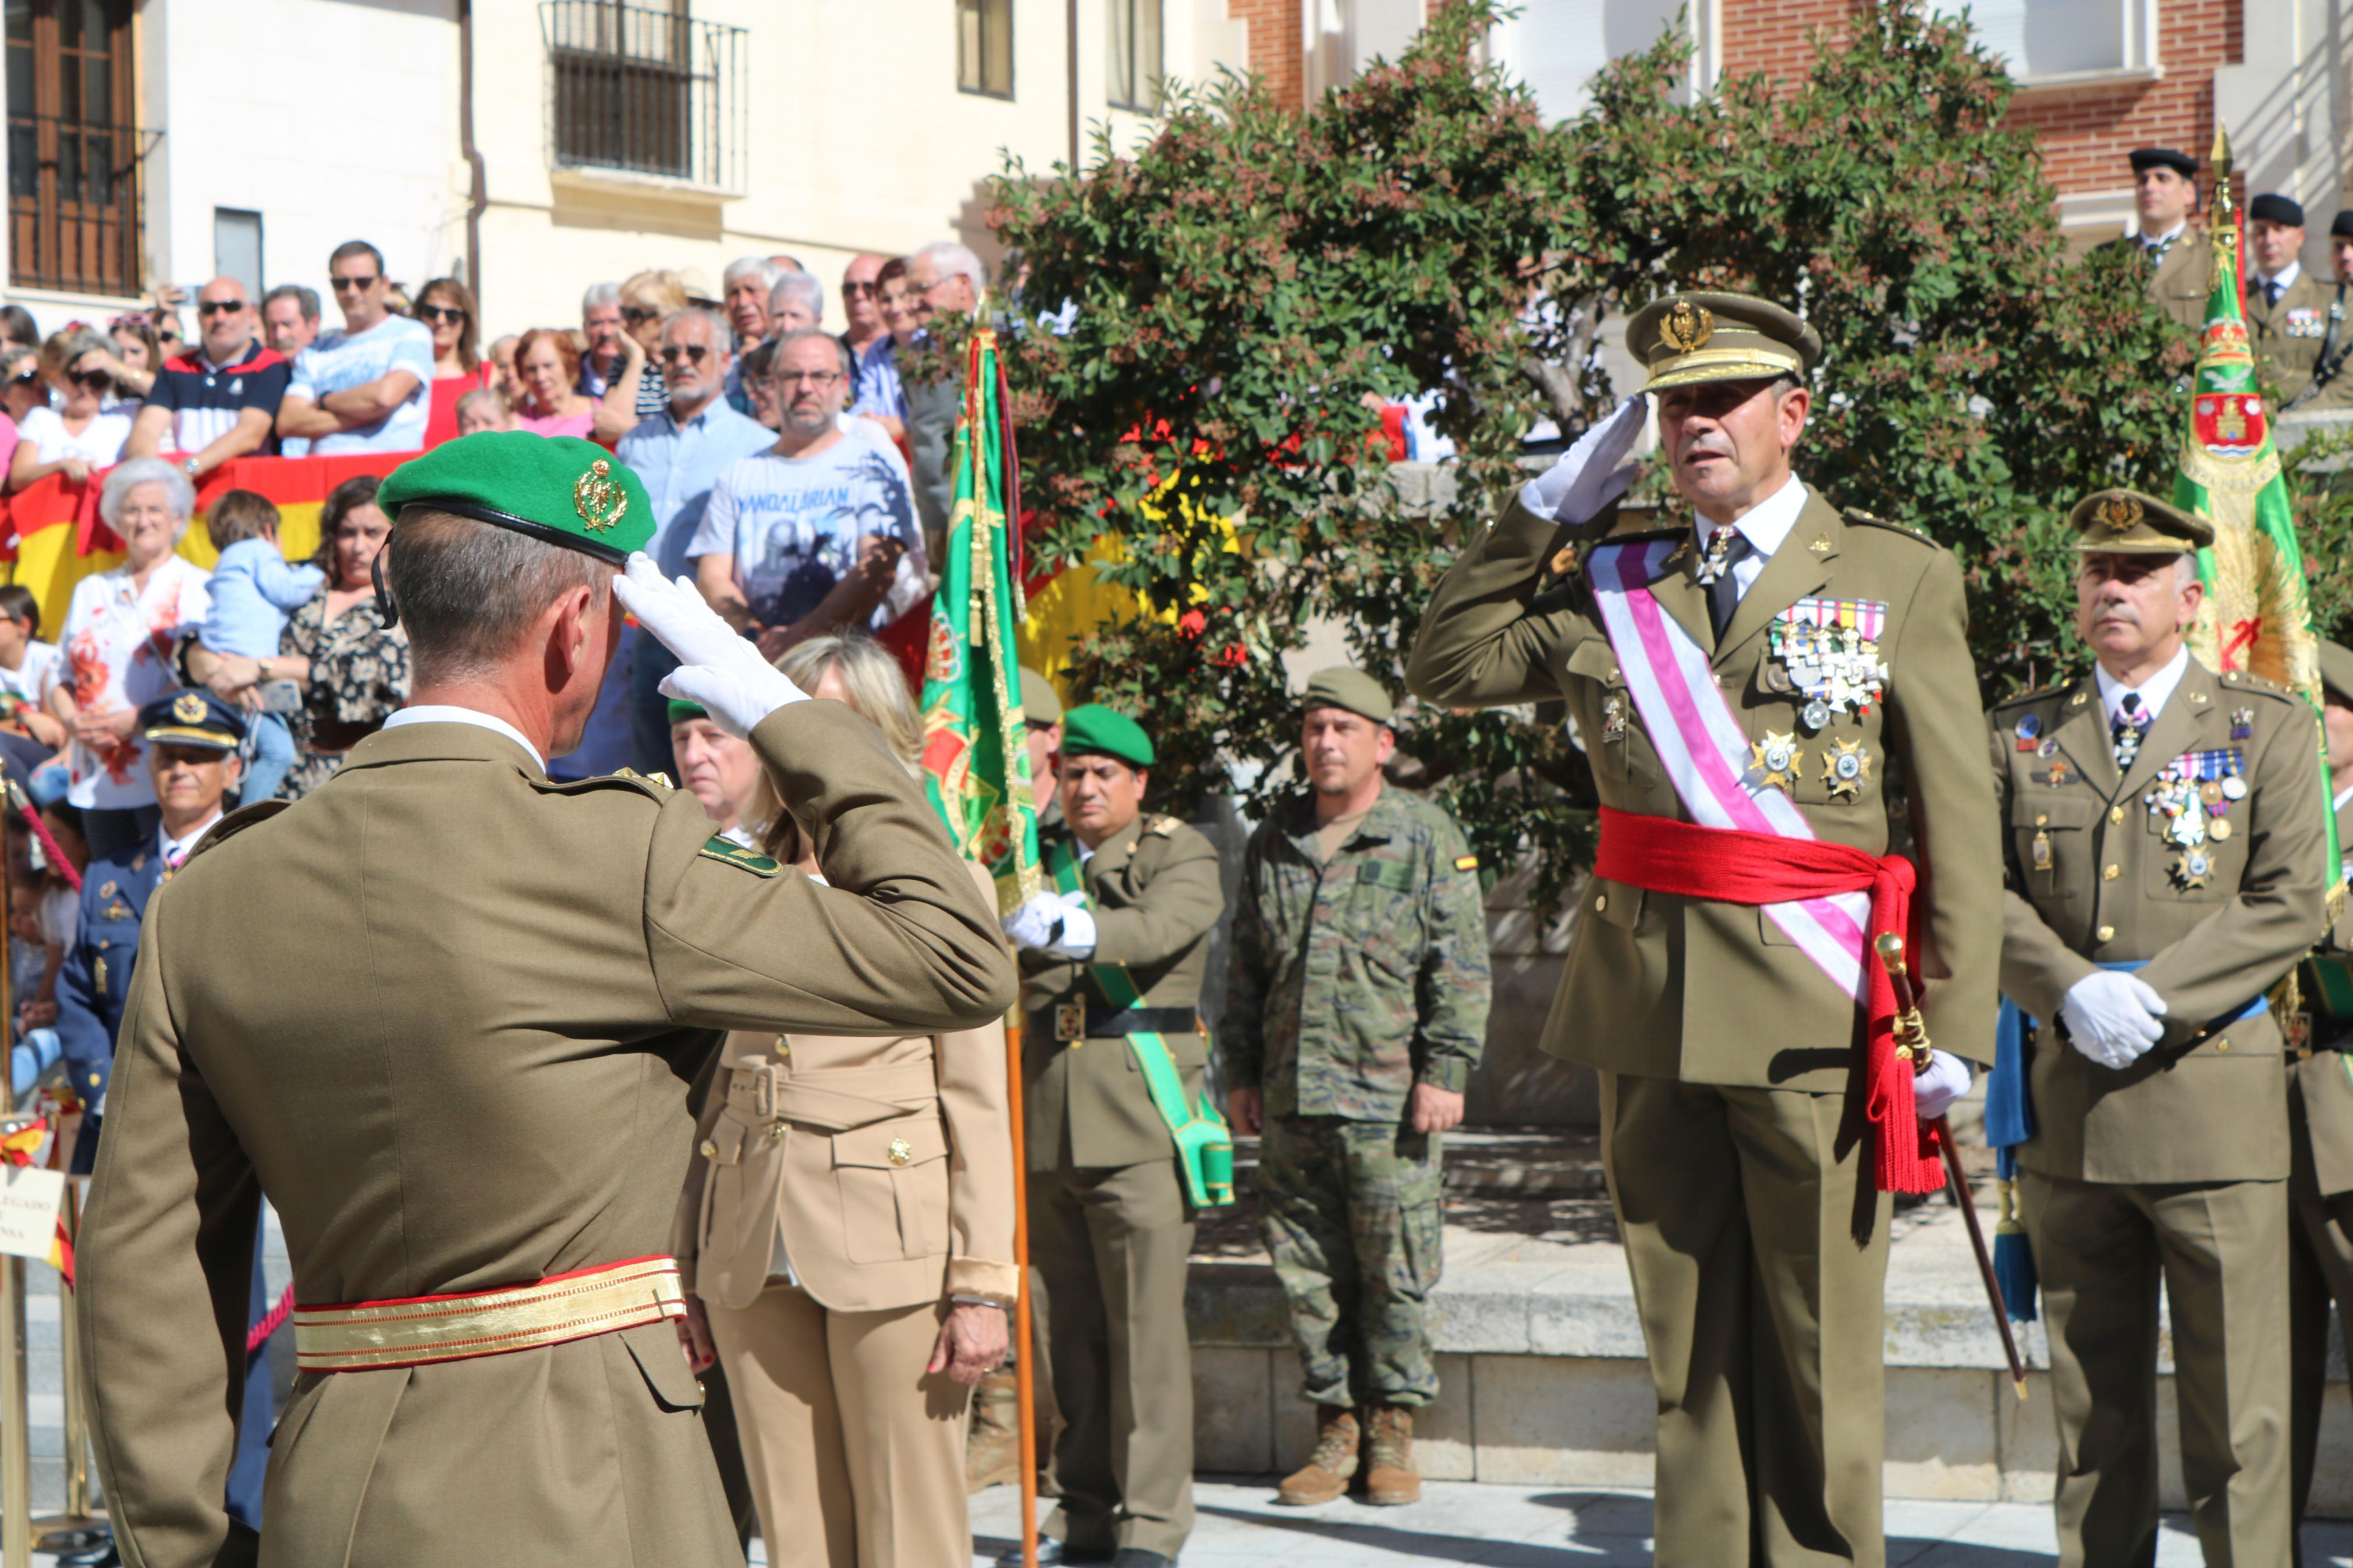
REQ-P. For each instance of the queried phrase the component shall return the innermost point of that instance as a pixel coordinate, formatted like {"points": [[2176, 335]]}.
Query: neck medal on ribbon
{"points": [[1830, 648]]}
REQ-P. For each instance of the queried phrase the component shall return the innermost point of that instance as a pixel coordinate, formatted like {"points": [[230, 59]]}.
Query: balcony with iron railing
{"points": [[76, 190], [647, 93]]}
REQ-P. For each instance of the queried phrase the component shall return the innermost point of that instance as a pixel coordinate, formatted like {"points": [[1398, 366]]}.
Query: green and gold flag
{"points": [[975, 761], [2256, 614]]}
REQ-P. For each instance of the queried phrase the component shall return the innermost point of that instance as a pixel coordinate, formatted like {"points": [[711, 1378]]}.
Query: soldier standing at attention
{"points": [[2163, 855], [459, 1066], [1356, 1008], [1759, 694], [2165, 193], [1114, 1059], [2287, 307]]}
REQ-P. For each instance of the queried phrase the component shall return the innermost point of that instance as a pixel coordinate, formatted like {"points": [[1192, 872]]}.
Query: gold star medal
{"points": [[2192, 867], [1774, 761], [1845, 769]]}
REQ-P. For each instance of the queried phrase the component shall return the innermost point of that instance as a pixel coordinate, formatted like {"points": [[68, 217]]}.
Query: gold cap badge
{"points": [[2118, 514], [600, 503], [188, 708], [1687, 325]]}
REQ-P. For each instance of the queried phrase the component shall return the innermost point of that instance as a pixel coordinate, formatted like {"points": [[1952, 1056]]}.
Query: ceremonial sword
{"points": [[1912, 1040]]}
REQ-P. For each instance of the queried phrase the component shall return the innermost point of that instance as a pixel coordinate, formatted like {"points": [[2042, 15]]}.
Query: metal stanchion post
{"points": [[76, 1414], [15, 1413]]}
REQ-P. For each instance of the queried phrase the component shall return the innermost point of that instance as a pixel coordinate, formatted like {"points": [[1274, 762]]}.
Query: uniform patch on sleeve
{"points": [[729, 852], [1466, 862]]}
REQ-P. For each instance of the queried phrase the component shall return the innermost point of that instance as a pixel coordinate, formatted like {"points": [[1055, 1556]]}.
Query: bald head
{"points": [[224, 320]]}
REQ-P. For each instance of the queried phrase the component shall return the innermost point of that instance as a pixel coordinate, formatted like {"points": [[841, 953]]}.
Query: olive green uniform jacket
{"points": [[2325, 1078], [2286, 336], [445, 1013], [1710, 992], [2178, 282], [2209, 1102], [1154, 893]]}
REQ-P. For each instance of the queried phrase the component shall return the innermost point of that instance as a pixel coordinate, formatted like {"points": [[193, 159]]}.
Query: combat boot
{"points": [[1390, 1478], [1325, 1475], [992, 1449]]}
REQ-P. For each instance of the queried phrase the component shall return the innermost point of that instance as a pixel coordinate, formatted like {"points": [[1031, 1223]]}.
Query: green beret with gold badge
{"points": [[1686, 339], [2127, 522], [557, 489], [1353, 689], [682, 712], [1093, 729]]}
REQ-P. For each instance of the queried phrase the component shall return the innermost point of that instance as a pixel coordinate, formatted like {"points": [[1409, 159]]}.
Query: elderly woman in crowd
{"points": [[548, 366], [352, 668], [636, 390], [84, 434], [118, 635], [881, 396], [447, 308], [847, 1231]]}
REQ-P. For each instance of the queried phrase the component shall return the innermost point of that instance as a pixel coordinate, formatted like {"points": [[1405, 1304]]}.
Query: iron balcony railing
{"points": [[650, 91], [75, 189]]}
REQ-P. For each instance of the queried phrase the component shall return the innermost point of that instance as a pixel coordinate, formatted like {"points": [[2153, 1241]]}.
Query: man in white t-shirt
{"points": [[368, 389], [28, 666], [819, 532]]}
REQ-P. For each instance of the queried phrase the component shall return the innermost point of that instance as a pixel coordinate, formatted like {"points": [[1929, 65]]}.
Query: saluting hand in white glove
{"points": [[2112, 1017], [716, 667], [1592, 473]]}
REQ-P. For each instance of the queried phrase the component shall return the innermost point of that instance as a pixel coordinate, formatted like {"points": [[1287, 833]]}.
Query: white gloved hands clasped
{"points": [[717, 667], [1059, 925], [1592, 473], [1945, 1079], [2112, 1017]]}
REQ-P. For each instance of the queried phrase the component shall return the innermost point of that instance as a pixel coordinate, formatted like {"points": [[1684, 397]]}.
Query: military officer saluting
{"points": [[1356, 1008], [2165, 195], [1122, 1147], [459, 1067], [2287, 307], [2163, 849], [1744, 686]]}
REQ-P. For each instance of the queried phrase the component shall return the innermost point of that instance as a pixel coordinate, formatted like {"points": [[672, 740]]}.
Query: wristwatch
{"points": [[188, 466]]}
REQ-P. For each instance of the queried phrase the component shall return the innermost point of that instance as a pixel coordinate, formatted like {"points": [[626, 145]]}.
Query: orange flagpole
{"points": [[1025, 1387]]}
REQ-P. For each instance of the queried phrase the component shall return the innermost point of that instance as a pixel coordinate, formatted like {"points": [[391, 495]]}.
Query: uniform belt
{"points": [[423, 1329], [1092, 1021], [774, 1094]]}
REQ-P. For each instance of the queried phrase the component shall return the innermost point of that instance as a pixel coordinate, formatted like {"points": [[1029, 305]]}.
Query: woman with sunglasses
{"points": [[447, 308], [549, 368], [648, 300], [82, 435], [138, 354]]}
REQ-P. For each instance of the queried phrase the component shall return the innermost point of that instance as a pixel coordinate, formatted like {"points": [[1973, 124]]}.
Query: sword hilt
{"points": [[1911, 1029]]}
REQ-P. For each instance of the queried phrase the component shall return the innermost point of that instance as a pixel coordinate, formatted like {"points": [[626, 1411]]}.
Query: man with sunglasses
{"points": [[365, 388], [862, 301], [219, 400]]}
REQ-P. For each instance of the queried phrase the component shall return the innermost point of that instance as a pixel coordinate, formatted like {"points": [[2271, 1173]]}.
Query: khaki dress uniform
{"points": [[2173, 1167], [461, 1061], [2286, 336], [844, 1191], [1111, 1231], [1757, 1244], [2178, 277]]}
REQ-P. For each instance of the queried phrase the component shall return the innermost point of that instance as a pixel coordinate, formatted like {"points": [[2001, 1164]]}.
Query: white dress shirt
{"points": [[1765, 526], [2276, 286], [176, 849], [2153, 691], [2152, 241], [446, 713]]}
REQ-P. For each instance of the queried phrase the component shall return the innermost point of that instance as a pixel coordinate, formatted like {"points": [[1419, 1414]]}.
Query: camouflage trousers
{"points": [[1350, 1212]]}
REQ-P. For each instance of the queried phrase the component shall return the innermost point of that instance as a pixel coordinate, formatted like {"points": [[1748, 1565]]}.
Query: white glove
{"points": [[1076, 943], [1592, 473], [716, 666], [1935, 1087], [2112, 1017], [1037, 922]]}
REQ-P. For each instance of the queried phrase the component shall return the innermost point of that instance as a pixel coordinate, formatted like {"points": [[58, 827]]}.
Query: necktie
{"points": [[1724, 548], [2126, 730], [2271, 291]]}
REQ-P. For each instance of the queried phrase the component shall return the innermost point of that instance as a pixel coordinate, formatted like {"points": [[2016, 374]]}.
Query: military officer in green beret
{"points": [[1114, 1062], [1745, 684], [2163, 846], [1356, 1008], [458, 1065], [2320, 1120]]}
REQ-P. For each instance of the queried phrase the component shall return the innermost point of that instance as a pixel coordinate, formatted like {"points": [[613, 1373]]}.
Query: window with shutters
{"points": [[984, 47], [1133, 36], [74, 150], [647, 90]]}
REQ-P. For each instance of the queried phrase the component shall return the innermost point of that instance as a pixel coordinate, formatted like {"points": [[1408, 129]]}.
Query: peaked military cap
{"points": [[2127, 522], [1341, 687], [1686, 339], [192, 718], [2274, 207], [1093, 729], [1039, 702], [556, 488], [2143, 159]]}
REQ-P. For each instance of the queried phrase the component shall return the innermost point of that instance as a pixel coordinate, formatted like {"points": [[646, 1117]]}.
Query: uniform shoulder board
{"points": [[653, 786], [2040, 694], [1855, 515], [236, 822], [1163, 826], [727, 852], [2248, 680]]}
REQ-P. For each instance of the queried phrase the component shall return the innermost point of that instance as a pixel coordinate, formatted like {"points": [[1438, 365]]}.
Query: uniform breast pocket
{"points": [[2206, 872], [2050, 836], [1383, 914], [894, 1178], [1614, 743]]}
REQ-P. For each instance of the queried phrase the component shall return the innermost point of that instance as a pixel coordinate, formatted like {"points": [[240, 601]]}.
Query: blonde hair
{"points": [[876, 689], [659, 288]]}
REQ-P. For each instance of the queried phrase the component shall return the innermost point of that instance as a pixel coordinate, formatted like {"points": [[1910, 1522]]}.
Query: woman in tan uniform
{"points": [[846, 1237]]}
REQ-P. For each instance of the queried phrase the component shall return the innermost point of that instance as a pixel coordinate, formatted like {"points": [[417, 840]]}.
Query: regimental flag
{"points": [[2257, 615], [976, 761]]}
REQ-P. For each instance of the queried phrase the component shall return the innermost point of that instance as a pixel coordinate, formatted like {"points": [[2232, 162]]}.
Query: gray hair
{"points": [[806, 334], [598, 295], [2185, 569], [799, 286], [306, 300], [949, 260], [468, 591], [126, 477], [746, 266], [723, 332]]}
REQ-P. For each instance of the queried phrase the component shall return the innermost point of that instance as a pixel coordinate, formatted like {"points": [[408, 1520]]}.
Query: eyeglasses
{"points": [[341, 284], [440, 314], [219, 307], [633, 314], [851, 291], [672, 352], [807, 377], [91, 380]]}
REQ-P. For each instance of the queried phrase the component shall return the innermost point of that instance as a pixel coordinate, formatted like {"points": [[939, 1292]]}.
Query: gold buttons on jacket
{"points": [[901, 1150], [2107, 934], [2041, 819], [2221, 1045], [709, 1150], [1600, 902], [784, 1049], [2115, 814], [2110, 873]]}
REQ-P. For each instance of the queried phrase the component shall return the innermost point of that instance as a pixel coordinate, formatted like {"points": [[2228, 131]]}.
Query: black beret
{"points": [[2274, 207], [2143, 159], [2342, 227]]}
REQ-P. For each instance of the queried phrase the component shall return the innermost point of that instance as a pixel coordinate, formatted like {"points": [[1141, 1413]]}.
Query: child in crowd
{"points": [[254, 589], [29, 668], [484, 409]]}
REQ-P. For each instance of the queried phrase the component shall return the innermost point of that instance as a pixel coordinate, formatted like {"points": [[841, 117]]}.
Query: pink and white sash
{"points": [[1701, 742]]}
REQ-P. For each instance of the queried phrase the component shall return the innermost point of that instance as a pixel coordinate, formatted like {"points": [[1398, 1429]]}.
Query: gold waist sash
{"points": [[423, 1329]]}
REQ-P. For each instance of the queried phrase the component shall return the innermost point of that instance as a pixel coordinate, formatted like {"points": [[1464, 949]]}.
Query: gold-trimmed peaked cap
{"points": [[2127, 522], [1688, 338], [192, 718], [557, 489]]}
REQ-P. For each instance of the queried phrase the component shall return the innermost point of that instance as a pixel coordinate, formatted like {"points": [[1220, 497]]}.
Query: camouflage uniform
{"points": [[1350, 981]]}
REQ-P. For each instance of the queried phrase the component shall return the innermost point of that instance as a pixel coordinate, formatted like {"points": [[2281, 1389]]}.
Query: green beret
{"points": [[1341, 686], [558, 489], [2127, 522], [1040, 705], [681, 710], [2337, 671], [1686, 339], [1095, 729]]}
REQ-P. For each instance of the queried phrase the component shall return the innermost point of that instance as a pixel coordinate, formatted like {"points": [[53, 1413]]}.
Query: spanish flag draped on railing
{"points": [[2257, 616]]}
